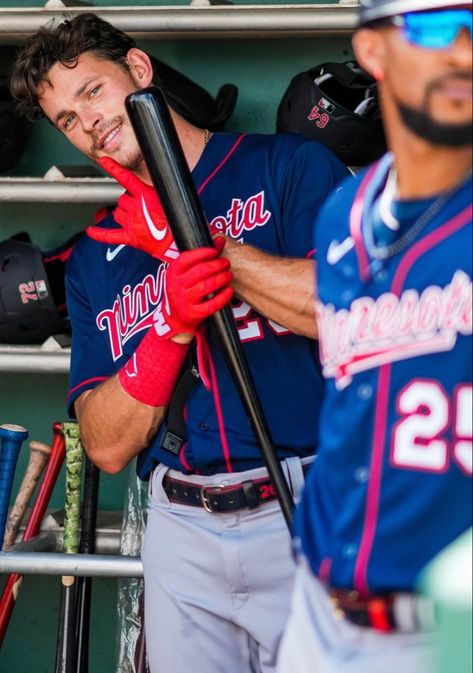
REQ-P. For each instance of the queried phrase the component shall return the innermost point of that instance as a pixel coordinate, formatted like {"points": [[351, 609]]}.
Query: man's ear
{"points": [[140, 67], [369, 49]]}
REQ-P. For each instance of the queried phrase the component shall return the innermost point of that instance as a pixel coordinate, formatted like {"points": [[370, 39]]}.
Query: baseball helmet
{"points": [[14, 130], [373, 10], [336, 104], [32, 293]]}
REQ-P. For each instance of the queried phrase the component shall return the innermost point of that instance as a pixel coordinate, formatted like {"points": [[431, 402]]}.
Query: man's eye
{"points": [[94, 91], [68, 121]]}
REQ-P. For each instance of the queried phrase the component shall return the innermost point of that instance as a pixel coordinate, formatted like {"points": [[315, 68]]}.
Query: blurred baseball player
{"points": [[217, 562], [391, 485]]}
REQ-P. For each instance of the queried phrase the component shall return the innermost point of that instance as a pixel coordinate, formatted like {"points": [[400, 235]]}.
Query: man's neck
{"points": [[424, 170], [192, 141]]}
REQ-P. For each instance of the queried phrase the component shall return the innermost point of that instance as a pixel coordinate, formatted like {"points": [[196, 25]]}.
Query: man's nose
{"points": [[460, 53], [91, 119]]}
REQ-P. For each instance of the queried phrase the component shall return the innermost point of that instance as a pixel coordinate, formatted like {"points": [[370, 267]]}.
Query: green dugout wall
{"points": [[261, 66]]}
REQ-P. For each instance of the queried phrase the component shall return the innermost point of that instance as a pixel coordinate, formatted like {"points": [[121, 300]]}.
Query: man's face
{"points": [[87, 104], [431, 89]]}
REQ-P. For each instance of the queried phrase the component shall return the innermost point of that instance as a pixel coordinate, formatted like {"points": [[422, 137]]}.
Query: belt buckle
{"points": [[204, 498]]}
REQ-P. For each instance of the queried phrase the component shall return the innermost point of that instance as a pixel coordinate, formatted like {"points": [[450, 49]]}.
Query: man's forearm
{"points": [[114, 426], [280, 288]]}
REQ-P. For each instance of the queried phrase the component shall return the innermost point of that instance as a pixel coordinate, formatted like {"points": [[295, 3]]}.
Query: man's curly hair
{"points": [[63, 42]]}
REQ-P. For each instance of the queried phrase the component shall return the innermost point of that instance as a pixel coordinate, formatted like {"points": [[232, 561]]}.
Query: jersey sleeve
{"points": [[91, 362], [311, 175]]}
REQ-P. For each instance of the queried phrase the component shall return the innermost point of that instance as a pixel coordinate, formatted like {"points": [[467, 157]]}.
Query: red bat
{"points": [[13, 584]]}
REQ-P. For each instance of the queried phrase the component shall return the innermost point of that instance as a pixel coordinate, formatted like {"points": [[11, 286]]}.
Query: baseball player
{"points": [[217, 562], [391, 485]]}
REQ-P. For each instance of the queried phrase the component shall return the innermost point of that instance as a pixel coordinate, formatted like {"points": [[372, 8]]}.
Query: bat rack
{"points": [[41, 555], [198, 20]]}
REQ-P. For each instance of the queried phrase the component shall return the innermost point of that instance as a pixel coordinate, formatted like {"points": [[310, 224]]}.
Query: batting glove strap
{"points": [[151, 373]]}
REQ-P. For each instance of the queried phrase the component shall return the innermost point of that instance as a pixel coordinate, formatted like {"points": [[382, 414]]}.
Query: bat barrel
{"points": [[11, 439], [13, 585], [156, 134], [162, 151]]}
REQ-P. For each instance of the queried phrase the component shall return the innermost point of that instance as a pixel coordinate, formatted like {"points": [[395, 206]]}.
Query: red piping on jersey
{"points": [[183, 460], [381, 411], [83, 383], [325, 569], [428, 242], [355, 224], [219, 412], [221, 164], [63, 256]]}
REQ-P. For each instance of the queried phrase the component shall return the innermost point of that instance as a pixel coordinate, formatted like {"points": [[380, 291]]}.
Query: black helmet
{"points": [[32, 295], [373, 10], [336, 104], [14, 130]]}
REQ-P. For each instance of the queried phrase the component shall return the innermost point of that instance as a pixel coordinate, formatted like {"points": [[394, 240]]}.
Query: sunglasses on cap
{"points": [[434, 29]]}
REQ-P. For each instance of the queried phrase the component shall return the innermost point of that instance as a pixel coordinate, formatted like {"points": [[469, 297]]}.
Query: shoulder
{"points": [[341, 199], [86, 250], [287, 143]]}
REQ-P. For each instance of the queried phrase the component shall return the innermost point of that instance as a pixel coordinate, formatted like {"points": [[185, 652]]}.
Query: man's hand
{"points": [[140, 214], [197, 286]]}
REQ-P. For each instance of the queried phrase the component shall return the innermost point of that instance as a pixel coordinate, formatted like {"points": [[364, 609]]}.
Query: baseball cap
{"points": [[372, 10]]}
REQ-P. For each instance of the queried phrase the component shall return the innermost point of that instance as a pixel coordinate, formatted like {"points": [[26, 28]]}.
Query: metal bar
{"points": [[244, 21], [70, 190], [32, 360], [85, 565]]}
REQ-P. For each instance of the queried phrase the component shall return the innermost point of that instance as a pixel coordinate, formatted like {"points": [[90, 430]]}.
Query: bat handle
{"points": [[11, 439]]}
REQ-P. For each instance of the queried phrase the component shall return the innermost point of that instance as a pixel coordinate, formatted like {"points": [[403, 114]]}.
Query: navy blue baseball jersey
{"points": [[257, 189], [392, 482]]}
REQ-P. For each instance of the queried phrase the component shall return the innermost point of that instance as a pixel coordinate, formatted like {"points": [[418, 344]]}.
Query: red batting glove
{"points": [[140, 214], [197, 286]]}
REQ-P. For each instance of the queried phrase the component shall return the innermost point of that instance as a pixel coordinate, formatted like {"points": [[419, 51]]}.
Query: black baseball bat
{"points": [[162, 152], [91, 477]]}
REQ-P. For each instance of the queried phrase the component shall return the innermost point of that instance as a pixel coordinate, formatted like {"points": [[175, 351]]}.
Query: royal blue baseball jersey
{"points": [[391, 485], [261, 190]]}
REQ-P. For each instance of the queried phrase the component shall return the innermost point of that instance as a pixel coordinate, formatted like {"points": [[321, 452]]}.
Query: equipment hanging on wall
{"points": [[14, 130], [336, 104], [32, 292], [192, 101]]}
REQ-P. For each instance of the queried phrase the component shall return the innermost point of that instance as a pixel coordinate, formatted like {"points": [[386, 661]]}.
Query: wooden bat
{"points": [[86, 546], [162, 152], [65, 659], [11, 439], [13, 584], [39, 455]]}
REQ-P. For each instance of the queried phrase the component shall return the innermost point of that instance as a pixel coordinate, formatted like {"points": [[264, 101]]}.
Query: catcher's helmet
{"points": [[336, 104], [14, 130], [32, 296], [373, 10]]}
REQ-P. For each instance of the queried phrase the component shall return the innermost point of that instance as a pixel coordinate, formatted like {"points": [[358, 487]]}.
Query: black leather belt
{"points": [[248, 494], [383, 612]]}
